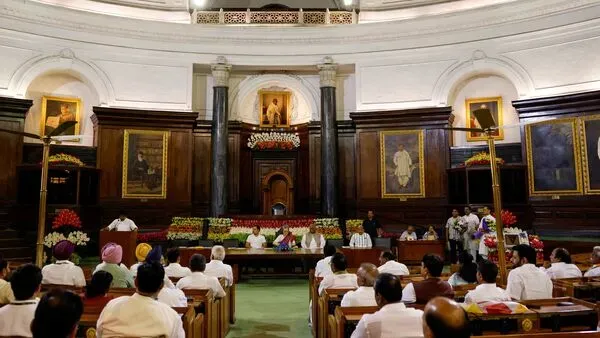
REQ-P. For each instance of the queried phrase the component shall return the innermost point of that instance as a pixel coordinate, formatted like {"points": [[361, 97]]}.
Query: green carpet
{"points": [[271, 308]]}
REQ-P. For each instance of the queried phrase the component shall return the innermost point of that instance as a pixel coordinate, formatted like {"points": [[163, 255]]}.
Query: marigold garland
{"points": [[482, 158], [64, 159]]}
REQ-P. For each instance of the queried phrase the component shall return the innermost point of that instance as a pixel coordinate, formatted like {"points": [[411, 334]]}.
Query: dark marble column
{"points": [[329, 140], [219, 139]]}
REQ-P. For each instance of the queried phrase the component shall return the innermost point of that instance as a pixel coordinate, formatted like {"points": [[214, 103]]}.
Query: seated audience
{"points": [[594, 271], [525, 281], [141, 315], [444, 318], [172, 297], [6, 295], [365, 294], [312, 239], [360, 239], [409, 234], [285, 238], [323, 267], [111, 257], [155, 255], [174, 269], [432, 286], [467, 271], [340, 277], [393, 319], [96, 293], [431, 234], [562, 266], [487, 291], [16, 317], [57, 315], [199, 280], [141, 251], [389, 265], [63, 272], [216, 267], [255, 240]]}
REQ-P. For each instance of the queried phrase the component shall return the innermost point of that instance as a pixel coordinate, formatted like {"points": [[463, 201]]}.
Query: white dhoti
{"points": [[403, 167]]}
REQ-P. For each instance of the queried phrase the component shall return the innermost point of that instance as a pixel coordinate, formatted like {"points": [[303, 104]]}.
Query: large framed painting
{"points": [[494, 104], [591, 154], [274, 108], [145, 164], [56, 111], [402, 164], [553, 158]]}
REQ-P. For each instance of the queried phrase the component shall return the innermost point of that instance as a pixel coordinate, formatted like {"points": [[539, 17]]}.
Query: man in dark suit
{"points": [[371, 225]]}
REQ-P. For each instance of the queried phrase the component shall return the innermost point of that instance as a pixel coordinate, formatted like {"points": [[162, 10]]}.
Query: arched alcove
{"points": [[61, 85], [277, 193]]}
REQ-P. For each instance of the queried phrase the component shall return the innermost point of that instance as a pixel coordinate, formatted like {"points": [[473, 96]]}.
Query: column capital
{"points": [[220, 72], [327, 72]]}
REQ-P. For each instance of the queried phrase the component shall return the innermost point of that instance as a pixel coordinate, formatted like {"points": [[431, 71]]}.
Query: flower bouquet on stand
{"points": [[66, 226], [538, 245], [481, 159]]}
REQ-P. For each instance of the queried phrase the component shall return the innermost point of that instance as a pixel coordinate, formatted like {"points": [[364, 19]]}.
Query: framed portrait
{"points": [[145, 164], [553, 158], [590, 127], [274, 108], [402, 164], [494, 104], [57, 110]]}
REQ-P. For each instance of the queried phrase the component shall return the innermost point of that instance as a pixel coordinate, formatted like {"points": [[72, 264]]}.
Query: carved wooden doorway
{"points": [[277, 193]]}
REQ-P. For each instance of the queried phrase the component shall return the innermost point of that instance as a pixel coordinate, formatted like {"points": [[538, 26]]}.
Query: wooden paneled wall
{"points": [[109, 126], [570, 216], [393, 212], [12, 117]]}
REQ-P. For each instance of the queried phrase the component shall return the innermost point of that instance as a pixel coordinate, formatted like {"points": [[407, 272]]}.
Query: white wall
{"points": [[63, 85], [480, 87]]}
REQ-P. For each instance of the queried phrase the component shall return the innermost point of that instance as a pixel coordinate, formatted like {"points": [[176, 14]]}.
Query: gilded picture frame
{"points": [[274, 109], [553, 158], [590, 139], [145, 163], [494, 104], [402, 164], [56, 110]]}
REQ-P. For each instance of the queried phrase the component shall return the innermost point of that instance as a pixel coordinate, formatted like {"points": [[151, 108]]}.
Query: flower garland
{"points": [[185, 228], [273, 141], [482, 158], [158, 236], [64, 159]]}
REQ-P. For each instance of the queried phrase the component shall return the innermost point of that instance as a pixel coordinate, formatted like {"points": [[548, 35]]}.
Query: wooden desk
{"points": [[586, 288], [580, 316], [356, 256], [577, 334], [412, 252], [126, 239]]}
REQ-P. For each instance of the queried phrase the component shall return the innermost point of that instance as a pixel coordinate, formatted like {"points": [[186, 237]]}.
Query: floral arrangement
{"points": [[66, 226], [491, 242], [64, 159], [538, 245], [488, 225], [508, 218], [219, 229], [329, 228], [186, 228], [352, 225], [459, 225], [273, 141], [241, 228], [158, 236], [482, 158]]}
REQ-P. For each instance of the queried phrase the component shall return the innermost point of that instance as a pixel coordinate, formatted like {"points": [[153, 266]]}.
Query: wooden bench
{"points": [[460, 291], [586, 288], [328, 302], [346, 318], [75, 289], [576, 334], [205, 303], [555, 317]]}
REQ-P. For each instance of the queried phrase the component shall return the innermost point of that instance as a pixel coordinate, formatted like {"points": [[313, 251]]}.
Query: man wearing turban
{"points": [[63, 271], [111, 257], [141, 251]]}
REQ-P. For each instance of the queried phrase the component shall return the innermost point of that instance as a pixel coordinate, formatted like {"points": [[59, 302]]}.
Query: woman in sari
{"points": [[285, 238], [431, 234]]}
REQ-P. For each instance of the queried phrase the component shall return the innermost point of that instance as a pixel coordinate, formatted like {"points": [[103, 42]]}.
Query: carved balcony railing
{"points": [[287, 17]]}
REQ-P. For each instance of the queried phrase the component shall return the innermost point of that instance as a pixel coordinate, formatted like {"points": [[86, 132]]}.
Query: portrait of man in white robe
{"points": [[401, 158]]}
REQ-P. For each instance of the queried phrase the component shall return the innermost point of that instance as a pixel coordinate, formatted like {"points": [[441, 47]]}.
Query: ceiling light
{"points": [[199, 3], [347, 2]]}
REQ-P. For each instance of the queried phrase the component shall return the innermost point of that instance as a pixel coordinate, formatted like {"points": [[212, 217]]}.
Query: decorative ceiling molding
{"points": [[474, 25]]}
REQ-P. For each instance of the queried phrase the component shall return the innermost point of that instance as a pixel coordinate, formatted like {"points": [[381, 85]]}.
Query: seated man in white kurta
{"points": [[389, 265], [562, 267], [198, 280], [393, 319], [174, 269], [409, 234], [594, 270], [16, 317], [360, 239], [141, 315], [122, 223], [63, 271], [487, 291], [313, 240], [340, 277], [255, 240], [323, 267], [216, 267], [365, 294], [526, 281]]}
